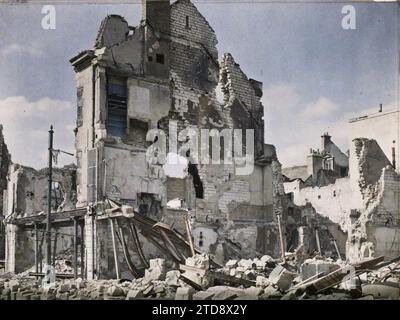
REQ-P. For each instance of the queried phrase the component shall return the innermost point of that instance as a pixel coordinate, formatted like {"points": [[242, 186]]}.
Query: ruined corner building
{"points": [[164, 71]]}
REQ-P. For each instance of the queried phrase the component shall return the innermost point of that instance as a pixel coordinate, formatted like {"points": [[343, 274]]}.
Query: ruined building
{"points": [[323, 167], [162, 74], [365, 203], [384, 127], [5, 161], [25, 215]]}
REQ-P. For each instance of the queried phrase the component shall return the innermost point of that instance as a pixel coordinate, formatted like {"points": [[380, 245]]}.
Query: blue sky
{"points": [[316, 75]]}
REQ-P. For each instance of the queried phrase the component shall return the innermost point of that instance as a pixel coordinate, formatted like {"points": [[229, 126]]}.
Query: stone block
{"points": [[13, 285], [203, 295], [312, 267], [184, 293], [231, 263], [245, 264], [115, 291], [156, 270], [200, 261], [282, 278], [271, 292], [134, 294], [172, 278], [262, 282], [80, 283]]}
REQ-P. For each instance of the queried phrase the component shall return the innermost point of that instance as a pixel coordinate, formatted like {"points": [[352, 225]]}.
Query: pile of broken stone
{"points": [[256, 279]]}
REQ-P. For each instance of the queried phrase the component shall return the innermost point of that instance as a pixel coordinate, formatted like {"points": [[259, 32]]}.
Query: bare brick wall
{"points": [[198, 29]]}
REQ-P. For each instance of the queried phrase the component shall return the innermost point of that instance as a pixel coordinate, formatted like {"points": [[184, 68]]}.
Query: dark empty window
{"points": [[187, 22], [149, 206], [150, 58], [79, 104], [201, 239], [160, 58], [117, 108], [198, 185], [137, 132]]}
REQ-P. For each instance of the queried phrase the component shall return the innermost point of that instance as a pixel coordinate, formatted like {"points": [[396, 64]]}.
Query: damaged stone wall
{"points": [[375, 224], [28, 190], [364, 204], [240, 211], [5, 161], [195, 72], [302, 225], [27, 197], [21, 241]]}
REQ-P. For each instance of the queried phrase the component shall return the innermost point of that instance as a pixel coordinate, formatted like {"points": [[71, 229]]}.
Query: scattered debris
{"points": [[197, 279]]}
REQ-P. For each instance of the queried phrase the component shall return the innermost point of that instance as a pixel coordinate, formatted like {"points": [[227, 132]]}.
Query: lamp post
{"points": [[50, 181]]}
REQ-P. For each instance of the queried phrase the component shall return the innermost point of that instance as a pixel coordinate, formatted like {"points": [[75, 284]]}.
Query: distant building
{"points": [[5, 161], [359, 192], [324, 165]]}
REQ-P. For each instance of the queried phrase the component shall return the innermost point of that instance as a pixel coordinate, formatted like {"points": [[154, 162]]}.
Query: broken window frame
{"points": [[133, 125], [160, 58], [79, 107], [117, 107], [91, 179]]}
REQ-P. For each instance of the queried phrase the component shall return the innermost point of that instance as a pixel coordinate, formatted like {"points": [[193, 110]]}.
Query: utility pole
{"points": [[50, 180]]}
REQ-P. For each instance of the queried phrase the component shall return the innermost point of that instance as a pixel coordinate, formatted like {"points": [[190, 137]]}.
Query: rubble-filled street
{"points": [[180, 150], [261, 278]]}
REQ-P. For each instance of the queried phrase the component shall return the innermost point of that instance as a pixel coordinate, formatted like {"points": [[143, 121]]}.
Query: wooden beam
{"points": [[132, 229], [82, 227], [128, 259], [55, 217], [171, 246], [36, 249], [189, 234], [317, 240], [75, 248], [114, 243]]}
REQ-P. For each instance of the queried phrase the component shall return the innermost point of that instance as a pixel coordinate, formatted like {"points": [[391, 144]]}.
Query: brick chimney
{"points": [[394, 155], [156, 18], [157, 14], [325, 142]]}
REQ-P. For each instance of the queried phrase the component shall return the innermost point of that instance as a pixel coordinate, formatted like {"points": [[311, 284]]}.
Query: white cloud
{"points": [[26, 124], [281, 98], [294, 126], [16, 48], [321, 108]]}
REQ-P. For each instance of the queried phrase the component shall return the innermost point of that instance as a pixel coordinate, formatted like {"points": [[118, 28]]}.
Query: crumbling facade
{"points": [[364, 203], [232, 224], [5, 161], [163, 74], [25, 216]]}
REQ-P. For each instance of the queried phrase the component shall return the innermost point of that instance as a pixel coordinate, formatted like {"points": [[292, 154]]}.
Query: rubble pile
{"points": [[256, 279]]}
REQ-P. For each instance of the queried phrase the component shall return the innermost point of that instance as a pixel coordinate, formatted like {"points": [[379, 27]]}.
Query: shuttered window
{"points": [[116, 108]]}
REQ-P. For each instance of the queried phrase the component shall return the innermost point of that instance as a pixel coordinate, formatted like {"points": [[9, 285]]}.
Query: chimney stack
{"points": [[325, 142], [156, 13], [394, 155], [156, 18]]}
